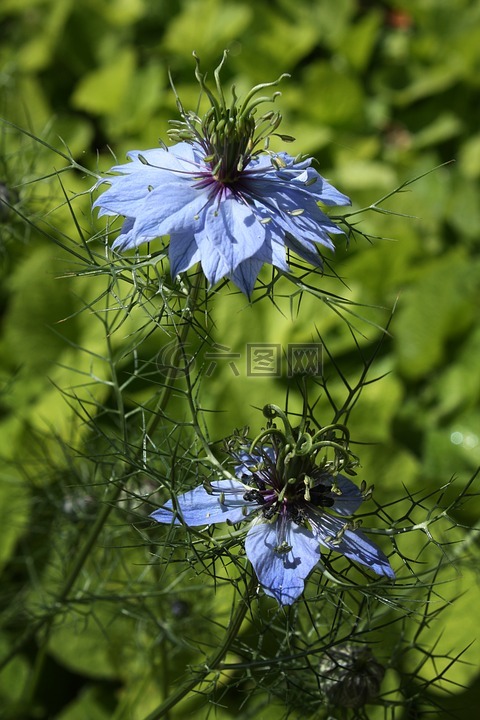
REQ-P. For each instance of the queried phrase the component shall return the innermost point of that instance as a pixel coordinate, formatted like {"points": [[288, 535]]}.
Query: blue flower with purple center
{"points": [[222, 202], [294, 506]]}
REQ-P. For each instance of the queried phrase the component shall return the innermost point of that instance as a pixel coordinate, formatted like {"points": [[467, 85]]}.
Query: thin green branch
{"points": [[212, 663]]}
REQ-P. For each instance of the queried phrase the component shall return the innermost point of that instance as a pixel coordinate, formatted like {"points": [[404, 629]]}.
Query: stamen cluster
{"points": [[228, 133]]}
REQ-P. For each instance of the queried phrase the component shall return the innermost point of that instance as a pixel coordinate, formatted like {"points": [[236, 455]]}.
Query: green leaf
{"points": [[469, 157], [440, 306], [455, 632], [103, 90], [38, 52], [206, 26], [92, 703], [458, 386], [335, 96], [14, 493], [13, 677], [453, 448], [360, 39]]}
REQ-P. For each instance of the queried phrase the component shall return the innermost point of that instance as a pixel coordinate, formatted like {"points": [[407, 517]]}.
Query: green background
{"points": [[380, 93]]}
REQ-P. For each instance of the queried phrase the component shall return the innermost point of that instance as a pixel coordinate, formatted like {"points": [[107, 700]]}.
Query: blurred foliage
{"points": [[380, 93]]}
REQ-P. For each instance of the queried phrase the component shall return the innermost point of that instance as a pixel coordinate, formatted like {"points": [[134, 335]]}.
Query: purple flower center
{"points": [[289, 497]]}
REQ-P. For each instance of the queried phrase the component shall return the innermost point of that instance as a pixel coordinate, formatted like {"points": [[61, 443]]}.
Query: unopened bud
{"points": [[350, 676]]}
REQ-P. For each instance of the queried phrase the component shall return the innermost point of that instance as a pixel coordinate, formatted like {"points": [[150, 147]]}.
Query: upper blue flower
{"points": [[221, 200], [294, 507]]}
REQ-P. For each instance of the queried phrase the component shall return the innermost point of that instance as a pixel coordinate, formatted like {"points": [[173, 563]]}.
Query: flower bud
{"points": [[350, 676]]}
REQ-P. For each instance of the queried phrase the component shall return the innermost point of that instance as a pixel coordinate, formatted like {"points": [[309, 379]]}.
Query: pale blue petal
{"points": [[198, 507], [319, 188], [280, 203], [282, 575], [248, 462], [170, 208], [231, 230], [183, 253], [245, 275], [327, 194], [129, 239], [312, 183], [125, 235], [353, 544], [305, 250], [127, 193], [350, 499], [298, 173], [182, 157], [214, 264], [138, 179], [157, 167], [272, 251]]}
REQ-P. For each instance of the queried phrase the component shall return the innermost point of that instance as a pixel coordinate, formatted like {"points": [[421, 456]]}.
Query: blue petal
{"points": [[350, 499], [304, 249], [183, 253], [128, 238], [173, 206], [297, 173], [321, 189], [281, 574], [127, 193], [230, 234], [123, 239], [182, 157], [133, 185], [197, 507], [248, 462], [272, 252], [245, 275], [353, 544], [160, 193], [279, 205]]}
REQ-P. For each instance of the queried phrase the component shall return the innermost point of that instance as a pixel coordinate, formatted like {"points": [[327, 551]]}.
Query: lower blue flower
{"points": [[289, 520]]}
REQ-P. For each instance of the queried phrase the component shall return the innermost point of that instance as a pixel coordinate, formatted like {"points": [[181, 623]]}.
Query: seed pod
{"points": [[350, 676]]}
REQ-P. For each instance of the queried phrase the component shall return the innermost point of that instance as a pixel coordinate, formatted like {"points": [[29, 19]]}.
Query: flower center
{"points": [[228, 132], [228, 142], [291, 498]]}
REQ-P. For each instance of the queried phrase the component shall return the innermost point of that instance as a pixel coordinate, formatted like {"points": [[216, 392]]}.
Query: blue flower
{"points": [[291, 515], [223, 202]]}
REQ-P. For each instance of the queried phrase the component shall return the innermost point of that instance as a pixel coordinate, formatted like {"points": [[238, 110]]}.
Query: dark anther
{"points": [[270, 512], [297, 515], [319, 496], [254, 496]]}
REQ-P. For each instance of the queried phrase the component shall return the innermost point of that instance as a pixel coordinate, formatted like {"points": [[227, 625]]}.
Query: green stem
{"points": [[46, 622], [212, 663]]}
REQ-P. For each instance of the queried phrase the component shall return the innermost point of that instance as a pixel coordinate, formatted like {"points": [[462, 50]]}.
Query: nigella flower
{"points": [[294, 507], [223, 202]]}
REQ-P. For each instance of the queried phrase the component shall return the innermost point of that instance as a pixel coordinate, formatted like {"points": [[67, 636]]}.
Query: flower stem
{"points": [[212, 663], [46, 622]]}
